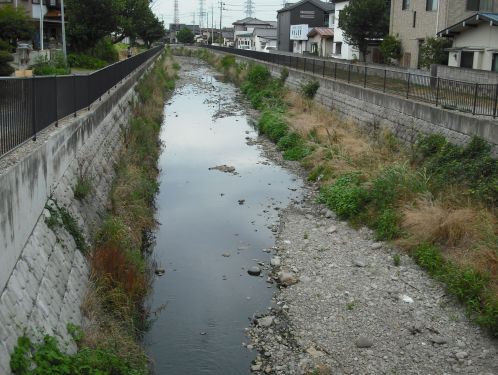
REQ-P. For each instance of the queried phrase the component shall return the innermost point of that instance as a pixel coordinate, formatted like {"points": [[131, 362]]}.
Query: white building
{"points": [[264, 39], [243, 39], [341, 49], [475, 42]]}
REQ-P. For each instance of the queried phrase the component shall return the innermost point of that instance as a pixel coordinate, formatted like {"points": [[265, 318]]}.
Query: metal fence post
{"points": [[313, 66], [323, 68], [335, 71], [74, 95], [496, 101], [33, 107], [437, 91], [349, 73], [385, 80], [408, 86], [56, 103], [475, 99], [305, 64], [365, 78]]}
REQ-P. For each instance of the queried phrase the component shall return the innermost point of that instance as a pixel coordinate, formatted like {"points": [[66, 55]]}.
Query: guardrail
{"points": [[29, 105], [469, 97]]}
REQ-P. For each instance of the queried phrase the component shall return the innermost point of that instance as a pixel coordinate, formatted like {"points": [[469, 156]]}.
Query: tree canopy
{"points": [[364, 20], [14, 24], [433, 51], [185, 35], [91, 20]]}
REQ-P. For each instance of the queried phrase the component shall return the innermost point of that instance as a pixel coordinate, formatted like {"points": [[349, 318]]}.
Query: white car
{"points": [[269, 49]]}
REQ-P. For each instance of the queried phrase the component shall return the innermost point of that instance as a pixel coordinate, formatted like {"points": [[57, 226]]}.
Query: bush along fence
{"points": [[469, 97], [29, 105]]}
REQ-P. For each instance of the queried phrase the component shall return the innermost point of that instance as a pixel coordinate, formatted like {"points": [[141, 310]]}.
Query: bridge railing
{"points": [[473, 98], [29, 105]]}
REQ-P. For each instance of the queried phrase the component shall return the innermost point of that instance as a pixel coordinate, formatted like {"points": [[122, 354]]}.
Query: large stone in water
{"points": [[254, 271]]}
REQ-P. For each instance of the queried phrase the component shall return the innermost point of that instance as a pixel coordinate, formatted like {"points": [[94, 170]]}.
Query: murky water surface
{"points": [[204, 216]]}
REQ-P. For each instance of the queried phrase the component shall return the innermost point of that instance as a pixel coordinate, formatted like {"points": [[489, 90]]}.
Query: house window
{"points": [[405, 5], [414, 19], [467, 60], [326, 20], [494, 66], [338, 48], [431, 5], [480, 5]]}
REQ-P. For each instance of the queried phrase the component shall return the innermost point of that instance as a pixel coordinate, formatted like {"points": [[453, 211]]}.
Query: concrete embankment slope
{"points": [[43, 274]]}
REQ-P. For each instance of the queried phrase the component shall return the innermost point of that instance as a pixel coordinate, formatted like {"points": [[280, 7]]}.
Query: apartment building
{"points": [[415, 20], [52, 25]]}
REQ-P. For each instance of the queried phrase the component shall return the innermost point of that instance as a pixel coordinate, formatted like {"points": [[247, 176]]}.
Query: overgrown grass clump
{"points": [[121, 272], [83, 187]]}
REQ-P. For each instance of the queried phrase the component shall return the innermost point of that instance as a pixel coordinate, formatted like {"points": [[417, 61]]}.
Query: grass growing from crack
{"points": [[434, 193], [83, 187], [62, 218]]}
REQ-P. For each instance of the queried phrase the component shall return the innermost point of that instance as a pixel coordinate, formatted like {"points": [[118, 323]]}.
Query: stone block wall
{"points": [[44, 275]]}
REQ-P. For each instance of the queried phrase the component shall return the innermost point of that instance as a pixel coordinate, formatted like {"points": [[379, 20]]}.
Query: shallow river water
{"points": [[213, 226]]}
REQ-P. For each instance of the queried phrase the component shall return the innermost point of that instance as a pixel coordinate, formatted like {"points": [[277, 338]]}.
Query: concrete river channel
{"points": [[214, 225]]}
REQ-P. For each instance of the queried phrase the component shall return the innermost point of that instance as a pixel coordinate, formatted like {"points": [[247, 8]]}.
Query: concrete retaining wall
{"points": [[468, 75], [405, 118], [43, 276]]}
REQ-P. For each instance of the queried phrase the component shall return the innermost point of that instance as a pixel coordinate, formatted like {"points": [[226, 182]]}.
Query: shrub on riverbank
{"points": [[120, 270]]}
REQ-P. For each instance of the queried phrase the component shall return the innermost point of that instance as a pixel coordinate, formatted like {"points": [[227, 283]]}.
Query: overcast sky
{"points": [[234, 10]]}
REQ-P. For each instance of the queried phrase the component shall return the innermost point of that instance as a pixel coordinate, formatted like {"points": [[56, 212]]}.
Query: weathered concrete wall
{"points": [[405, 118], [469, 75], [42, 274]]}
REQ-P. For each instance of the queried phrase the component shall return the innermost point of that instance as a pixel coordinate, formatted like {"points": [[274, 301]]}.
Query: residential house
{"points": [[475, 42], [244, 28], [415, 20], [320, 41], [341, 49], [52, 24], [295, 21], [264, 39], [228, 37]]}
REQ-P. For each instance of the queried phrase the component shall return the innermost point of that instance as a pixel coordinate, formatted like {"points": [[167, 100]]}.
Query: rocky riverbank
{"points": [[356, 306]]}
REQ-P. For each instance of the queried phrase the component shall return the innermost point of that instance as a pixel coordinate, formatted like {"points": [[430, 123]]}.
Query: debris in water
{"points": [[225, 169], [160, 271]]}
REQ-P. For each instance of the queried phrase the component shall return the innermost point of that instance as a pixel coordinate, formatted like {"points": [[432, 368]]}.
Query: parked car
{"points": [[269, 49]]}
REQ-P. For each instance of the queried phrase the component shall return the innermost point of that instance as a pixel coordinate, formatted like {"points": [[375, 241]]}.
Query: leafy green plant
{"points": [[396, 260], [258, 75], [309, 89], [273, 125], [105, 50], [80, 60], [82, 188], [433, 51], [346, 196], [227, 61], [5, 68], [386, 225], [320, 172], [284, 74], [390, 48], [56, 66]]}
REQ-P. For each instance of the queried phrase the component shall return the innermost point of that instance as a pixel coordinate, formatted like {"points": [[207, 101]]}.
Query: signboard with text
{"points": [[299, 32]]}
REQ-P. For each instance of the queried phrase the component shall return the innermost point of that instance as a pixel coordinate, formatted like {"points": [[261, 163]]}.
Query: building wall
{"points": [[324, 45], [427, 23], [305, 14], [468, 75], [483, 37], [347, 52]]}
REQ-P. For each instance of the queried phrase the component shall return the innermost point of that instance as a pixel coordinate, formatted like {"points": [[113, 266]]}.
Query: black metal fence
{"points": [[29, 105], [474, 98]]}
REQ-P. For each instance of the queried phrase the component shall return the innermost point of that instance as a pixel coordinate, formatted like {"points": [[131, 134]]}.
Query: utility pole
{"points": [[41, 25], [212, 23], [63, 20], [222, 4]]}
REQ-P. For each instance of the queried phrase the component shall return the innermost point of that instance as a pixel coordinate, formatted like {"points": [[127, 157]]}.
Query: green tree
{"points": [[433, 51], [5, 68], [150, 29], [14, 24], [363, 20], [391, 48], [91, 20], [185, 35]]}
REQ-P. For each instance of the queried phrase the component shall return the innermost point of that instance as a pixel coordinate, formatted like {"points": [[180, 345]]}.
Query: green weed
{"points": [[396, 260], [82, 188], [273, 125], [386, 225], [346, 196], [309, 89]]}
